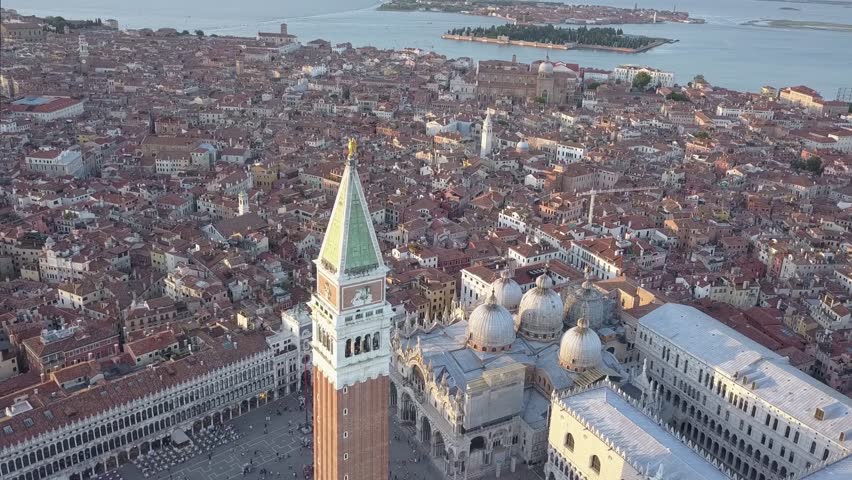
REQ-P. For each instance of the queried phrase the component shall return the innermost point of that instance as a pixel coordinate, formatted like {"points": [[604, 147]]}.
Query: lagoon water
{"points": [[726, 52]]}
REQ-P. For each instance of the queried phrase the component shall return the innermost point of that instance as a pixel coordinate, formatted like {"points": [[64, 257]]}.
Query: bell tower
{"points": [[243, 203], [351, 342], [487, 142], [83, 51]]}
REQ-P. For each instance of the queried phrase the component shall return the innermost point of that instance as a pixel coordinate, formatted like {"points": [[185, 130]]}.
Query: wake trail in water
{"points": [[344, 12], [300, 18]]}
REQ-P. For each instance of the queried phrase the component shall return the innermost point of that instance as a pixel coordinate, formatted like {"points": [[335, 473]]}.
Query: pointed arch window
{"points": [[569, 442], [595, 464]]}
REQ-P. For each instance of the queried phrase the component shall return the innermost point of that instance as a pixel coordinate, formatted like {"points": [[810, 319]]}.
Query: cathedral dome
{"points": [[540, 312], [507, 291], [490, 327], [580, 348], [523, 146], [545, 68], [586, 302]]}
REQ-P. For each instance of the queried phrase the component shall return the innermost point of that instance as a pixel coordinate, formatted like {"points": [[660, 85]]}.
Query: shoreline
{"points": [[554, 46], [63, 12], [360, 30]]}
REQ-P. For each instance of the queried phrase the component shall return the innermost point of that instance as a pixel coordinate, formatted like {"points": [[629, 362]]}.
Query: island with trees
{"points": [[549, 36], [543, 12], [60, 24]]}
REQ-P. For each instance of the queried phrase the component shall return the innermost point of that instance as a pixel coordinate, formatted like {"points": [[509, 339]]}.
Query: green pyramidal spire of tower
{"points": [[350, 245]]}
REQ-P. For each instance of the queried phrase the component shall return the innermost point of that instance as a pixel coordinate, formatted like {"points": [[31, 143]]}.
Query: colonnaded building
{"points": [[62, 428], [476, 389], [742, 403], [714, 404]]}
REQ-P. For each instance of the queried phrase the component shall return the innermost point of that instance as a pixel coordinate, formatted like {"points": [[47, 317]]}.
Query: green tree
{"points": [[641, 80], [56, 23], [813, 165], [185, 32], [678, 97], [199, 33]]}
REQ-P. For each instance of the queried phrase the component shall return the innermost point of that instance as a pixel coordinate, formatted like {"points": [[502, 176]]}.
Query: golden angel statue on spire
{"points": [[353, 147]]}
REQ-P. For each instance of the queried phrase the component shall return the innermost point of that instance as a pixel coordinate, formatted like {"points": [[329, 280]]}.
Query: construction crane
{"points": [[593, 193]]}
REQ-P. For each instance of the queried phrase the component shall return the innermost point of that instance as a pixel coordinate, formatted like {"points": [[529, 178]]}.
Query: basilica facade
{"points": [[546, 82], [475, 388]]}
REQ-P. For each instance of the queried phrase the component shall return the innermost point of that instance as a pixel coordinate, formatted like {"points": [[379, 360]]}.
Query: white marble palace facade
{"points": [[739, 402], [601, 433]]}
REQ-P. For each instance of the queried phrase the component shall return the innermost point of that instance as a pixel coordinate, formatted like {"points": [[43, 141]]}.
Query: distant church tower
{"points": [[238, 64], [83, 50], [351, 342], [487, 137], [243, 203]]}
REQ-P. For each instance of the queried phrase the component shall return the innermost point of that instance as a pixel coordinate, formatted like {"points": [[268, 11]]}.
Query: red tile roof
{"points": [[89, 402]]}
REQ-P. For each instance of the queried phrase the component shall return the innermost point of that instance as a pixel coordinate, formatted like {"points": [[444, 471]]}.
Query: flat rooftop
{"points": [[33, 101]]}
